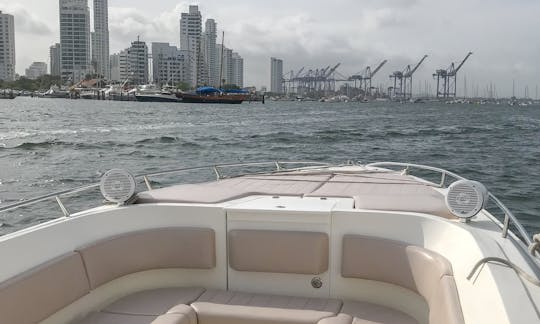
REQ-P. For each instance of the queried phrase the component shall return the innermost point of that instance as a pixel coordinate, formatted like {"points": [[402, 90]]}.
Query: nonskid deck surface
{"points": [[370, 190]]}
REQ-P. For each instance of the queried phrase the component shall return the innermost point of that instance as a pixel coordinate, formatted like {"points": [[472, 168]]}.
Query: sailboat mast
{"points": [[221, 61]]}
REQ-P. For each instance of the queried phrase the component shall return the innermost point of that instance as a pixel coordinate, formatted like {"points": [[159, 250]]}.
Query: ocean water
{"points": [[49, 145]]}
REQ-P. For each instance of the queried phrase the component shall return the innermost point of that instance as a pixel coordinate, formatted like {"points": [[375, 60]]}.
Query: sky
{"points": [[503, 34]]}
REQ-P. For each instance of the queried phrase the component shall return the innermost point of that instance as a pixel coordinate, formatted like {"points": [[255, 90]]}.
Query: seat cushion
{"points": [[234, 307], [154, 302], [110, 318], [367, 313], [182, 247], [40, 292], [179, 314], [275, 301], [393, 262], [278, 251]]}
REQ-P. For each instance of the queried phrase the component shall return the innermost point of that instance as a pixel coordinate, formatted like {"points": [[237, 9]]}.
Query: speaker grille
{"points": [[466, 198], [117, 186]]}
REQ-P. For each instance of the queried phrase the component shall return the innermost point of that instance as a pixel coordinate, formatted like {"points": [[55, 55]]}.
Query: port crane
{"points": [[403, 81], [368, 75], [447, 80]]}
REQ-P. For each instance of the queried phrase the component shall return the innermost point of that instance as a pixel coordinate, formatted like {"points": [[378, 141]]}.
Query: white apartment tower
{"points": [[75, 39], [7, 47], [36, 70], [100, 38], [169, 64], [137, 62], [54, 59], [237, 70], [211, 52], [114, 67], [190, 40], [276, 75], [227, 75]]}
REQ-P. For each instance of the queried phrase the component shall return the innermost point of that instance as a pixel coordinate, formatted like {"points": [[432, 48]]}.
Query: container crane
{"points": [[407, 78], [368, 75], [403, 81], [447, 79]]}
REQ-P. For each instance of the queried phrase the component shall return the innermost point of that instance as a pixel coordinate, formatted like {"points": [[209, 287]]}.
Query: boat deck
{"points": [[374, 190]]}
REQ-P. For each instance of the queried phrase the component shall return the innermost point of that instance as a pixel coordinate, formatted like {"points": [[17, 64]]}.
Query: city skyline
{"points": [[353, 33]]}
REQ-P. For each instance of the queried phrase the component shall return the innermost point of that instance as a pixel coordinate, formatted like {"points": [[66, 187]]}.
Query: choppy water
{"points": [[53, 144]]}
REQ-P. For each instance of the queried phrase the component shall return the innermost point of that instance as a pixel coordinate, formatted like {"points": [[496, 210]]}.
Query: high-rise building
{"points": [[36, 70], [114, 67], [276, 75], [119, 66], [211, 52], [55, 56], [225, 54], [169, 64], [237, 70], [75, 39], [137, 62], [7, 47], [100, 38], [190, 40]]}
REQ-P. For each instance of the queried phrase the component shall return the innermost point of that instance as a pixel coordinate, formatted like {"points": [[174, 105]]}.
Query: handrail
{"points": [[278, 167], [509, 217], [145, 178]]}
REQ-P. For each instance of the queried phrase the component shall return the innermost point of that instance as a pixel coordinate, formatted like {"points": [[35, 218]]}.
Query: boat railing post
{"points": [[62, 207], [506, 225], [443, 180], [218, 174], [147, 183]]}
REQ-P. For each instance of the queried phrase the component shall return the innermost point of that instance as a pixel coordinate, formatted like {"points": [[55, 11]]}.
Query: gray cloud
{"points": [[356, 33], [26, 22]]}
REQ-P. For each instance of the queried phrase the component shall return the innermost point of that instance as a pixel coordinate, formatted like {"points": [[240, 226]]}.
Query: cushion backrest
{"points": [[278, 251], [420, 270], [35, 295], [190, 248]]}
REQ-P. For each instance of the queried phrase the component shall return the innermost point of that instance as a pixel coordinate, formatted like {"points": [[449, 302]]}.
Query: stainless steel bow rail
{"points": [[509, 217], [277, 166], [281, 166]]}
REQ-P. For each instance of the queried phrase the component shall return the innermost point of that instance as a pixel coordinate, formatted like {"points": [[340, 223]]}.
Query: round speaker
{"points": [[466, 198], [117, 186]]}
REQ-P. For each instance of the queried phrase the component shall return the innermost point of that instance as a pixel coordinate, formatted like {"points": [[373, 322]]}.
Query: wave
{"points": [[167, 140]]}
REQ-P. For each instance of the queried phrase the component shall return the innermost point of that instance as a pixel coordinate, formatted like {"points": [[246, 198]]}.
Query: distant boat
{"points": [[212, 95], [55, 92], [7, 94], [149, 93]]}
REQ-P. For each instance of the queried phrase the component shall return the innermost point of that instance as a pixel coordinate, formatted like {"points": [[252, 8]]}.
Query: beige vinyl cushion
{"points": [[208, 313], [111, 318], [191, 248], [220, 297], [278, 251], [363, 312], [229, 189], [154, 302], [393, 262], [339, 319], [187, 317], [40, 292], [420, 270], [386, 191]]}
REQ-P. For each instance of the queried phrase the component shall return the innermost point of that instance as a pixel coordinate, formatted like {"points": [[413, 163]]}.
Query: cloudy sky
{"points": [[503, 34]]}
